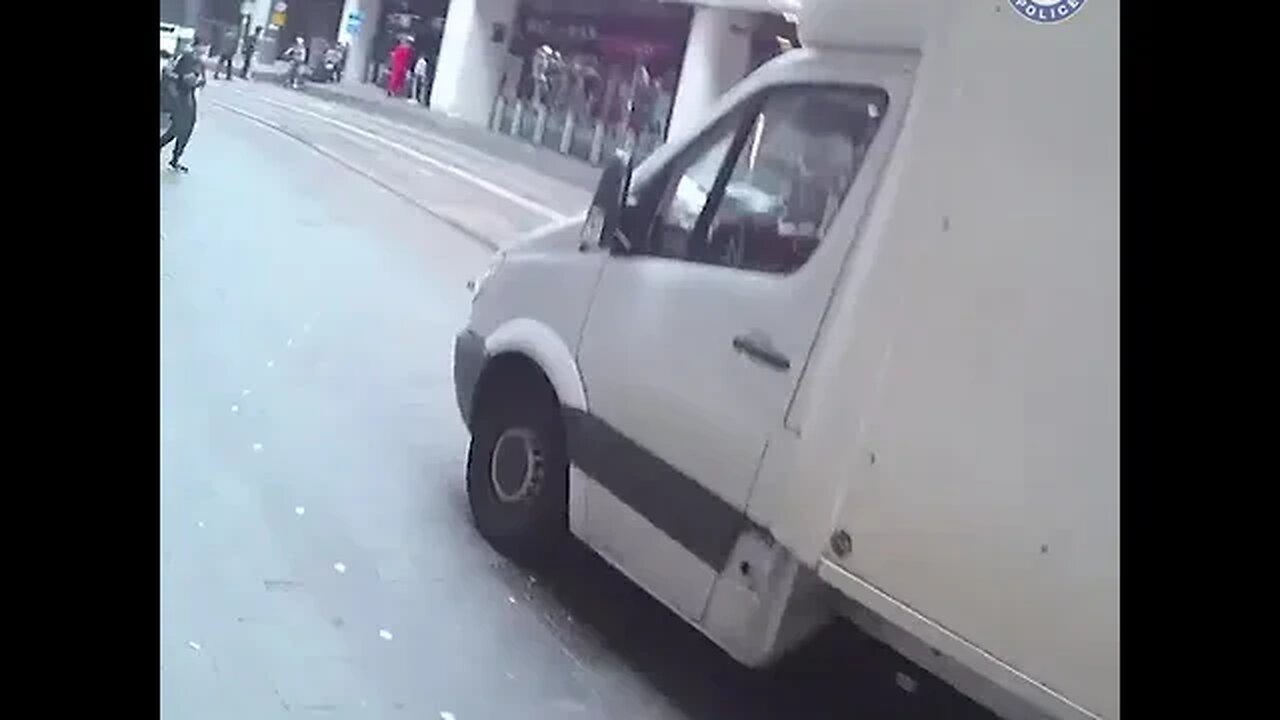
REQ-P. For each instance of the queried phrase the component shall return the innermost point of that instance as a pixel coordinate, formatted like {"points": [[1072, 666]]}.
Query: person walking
{"points": [[247, 49], [296, 56], [227, 52], [342, 61], [184, 77], [420, 80], [399, 68]]}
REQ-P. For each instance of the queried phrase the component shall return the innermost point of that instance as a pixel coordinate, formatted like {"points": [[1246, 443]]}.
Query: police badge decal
{"points": [[1047, 12]]}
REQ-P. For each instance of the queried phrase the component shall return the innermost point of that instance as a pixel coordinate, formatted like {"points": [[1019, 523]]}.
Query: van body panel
{"points": [[961, 411], [941, 446]]}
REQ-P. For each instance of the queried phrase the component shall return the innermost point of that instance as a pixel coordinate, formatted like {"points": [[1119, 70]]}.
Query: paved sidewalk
{"points": [[372, 99]]}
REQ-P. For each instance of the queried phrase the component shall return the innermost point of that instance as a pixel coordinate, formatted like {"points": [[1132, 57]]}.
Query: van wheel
{"points": [[518, 475]]}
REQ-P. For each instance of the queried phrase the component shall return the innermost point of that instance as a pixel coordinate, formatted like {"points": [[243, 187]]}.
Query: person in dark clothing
{"points": [[342, 61], [226, 53], [183, 77], [248, 49]]}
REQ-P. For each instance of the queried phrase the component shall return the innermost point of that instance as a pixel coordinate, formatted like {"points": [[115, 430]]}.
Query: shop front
{"points": [[585, 78], [419, 22]]}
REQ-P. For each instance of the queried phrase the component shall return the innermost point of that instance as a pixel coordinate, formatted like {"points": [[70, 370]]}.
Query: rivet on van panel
{"points": [[841, 543]]}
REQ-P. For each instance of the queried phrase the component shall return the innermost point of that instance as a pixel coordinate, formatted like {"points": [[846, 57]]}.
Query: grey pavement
{"points": [[372, 99], [317, 557]]}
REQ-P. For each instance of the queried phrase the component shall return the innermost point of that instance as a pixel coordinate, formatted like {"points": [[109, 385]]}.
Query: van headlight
{"points": [[476, 285]]}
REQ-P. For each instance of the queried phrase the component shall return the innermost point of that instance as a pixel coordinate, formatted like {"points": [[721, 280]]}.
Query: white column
{"points": [[261, 13], [469, 68], [348, 7], [265, 54], [362, 42], [717, 55]]}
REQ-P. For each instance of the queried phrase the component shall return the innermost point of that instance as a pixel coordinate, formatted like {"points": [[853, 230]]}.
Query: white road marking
{"points": [[252, 116], [398, 126], [193, 645], [480, 182]]}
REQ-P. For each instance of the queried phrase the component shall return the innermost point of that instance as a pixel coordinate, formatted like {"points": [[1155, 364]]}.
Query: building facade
{"points": [[578, 76], [587, 76]]}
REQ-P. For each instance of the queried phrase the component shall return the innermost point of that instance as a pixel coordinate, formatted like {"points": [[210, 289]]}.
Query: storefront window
{"points": [[421, 22], [600, 81]]}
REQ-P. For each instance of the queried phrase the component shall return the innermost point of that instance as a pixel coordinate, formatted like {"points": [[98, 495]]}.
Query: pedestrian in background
{"points": [[399, 68], [227, 52], [183, 77], [296, 56], [247, 50], [342, 62], [420, 80]]}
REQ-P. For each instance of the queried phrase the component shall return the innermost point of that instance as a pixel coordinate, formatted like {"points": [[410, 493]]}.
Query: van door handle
{"points": [[760, 350]]}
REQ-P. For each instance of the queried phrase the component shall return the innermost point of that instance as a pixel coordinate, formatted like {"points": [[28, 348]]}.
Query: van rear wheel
{"points": [[518, 475]]}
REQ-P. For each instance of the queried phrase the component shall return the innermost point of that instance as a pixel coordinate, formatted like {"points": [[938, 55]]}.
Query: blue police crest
{"points": [[1047, 12]]}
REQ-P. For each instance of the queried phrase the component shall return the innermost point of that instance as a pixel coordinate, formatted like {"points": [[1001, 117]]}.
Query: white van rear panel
{"points": [[959, 418]]}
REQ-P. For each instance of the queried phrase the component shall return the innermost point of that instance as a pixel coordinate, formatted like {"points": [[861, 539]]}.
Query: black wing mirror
{"points": [[603, 227]]}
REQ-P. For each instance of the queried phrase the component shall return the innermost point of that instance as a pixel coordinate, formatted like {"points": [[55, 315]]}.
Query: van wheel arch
{"points": [[510, 372], [515, 399]]}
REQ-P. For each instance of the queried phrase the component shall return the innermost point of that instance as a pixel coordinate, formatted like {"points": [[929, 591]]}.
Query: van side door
{"points": [[698, 335]]}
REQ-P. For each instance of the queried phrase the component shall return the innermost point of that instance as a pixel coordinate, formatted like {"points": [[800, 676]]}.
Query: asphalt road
{"points": [[316, 553]]}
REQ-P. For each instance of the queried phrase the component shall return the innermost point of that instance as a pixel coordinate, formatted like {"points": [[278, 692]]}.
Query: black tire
{"points": [[523, 424]]}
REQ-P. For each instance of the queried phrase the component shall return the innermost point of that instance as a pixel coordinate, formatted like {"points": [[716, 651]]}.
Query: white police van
{"points": [[848, 350]]}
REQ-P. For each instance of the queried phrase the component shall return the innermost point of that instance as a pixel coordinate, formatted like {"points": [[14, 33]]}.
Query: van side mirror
{"points": [[603, 227]]}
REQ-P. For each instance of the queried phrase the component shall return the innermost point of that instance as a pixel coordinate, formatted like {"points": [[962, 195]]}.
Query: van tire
{"points": [[524, 514]]}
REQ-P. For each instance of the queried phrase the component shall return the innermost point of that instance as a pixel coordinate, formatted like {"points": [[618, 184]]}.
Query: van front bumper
{"points": [[468, 361]]}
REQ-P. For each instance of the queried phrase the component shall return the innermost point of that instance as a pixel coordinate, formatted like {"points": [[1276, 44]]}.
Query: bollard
{"points": [[516, 117], [540, 124], [499, 109], [597, 144], [566, 135]]}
